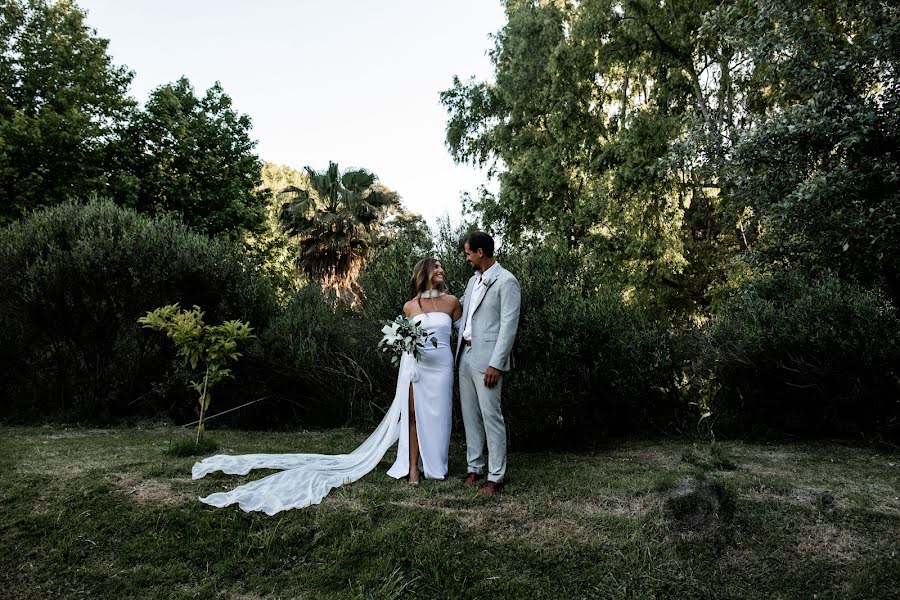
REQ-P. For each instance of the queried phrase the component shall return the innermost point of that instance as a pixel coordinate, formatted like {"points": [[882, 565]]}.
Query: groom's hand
{"points": [[491, 377]]}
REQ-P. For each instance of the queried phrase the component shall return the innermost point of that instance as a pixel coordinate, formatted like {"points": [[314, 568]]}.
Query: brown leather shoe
{"points": [[471, 479], [490, 488]]}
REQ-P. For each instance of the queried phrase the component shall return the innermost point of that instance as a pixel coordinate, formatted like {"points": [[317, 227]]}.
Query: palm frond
{"points": [[358, 180], [335, 221]]}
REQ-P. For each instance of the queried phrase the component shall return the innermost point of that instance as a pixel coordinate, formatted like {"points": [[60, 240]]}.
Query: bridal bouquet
{"points": [[403, 335]]}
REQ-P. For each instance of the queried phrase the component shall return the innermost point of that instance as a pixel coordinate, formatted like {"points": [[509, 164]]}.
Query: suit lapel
{"points": [[497, 276], [467, 295], [467, 298]]}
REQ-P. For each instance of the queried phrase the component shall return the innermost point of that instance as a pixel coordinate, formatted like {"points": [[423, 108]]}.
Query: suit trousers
{"points": [[482, 419]]}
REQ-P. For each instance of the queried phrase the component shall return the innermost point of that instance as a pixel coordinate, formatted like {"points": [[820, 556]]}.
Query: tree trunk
{"points": [[203, 403]]}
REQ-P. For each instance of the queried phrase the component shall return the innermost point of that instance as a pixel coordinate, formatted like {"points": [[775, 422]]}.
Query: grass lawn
{"points": [[107, 514]]}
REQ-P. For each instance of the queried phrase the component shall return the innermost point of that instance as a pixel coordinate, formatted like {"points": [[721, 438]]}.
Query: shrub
{"points": [[586, 363], [803, 355], [77, 276], [320, 362], [385, 282]]}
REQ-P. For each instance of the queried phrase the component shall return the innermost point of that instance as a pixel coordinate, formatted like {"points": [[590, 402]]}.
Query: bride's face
{"points": [[437, 276]]}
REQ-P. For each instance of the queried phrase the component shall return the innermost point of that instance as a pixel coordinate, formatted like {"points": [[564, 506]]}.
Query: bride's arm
{"points": [[457, 315]]}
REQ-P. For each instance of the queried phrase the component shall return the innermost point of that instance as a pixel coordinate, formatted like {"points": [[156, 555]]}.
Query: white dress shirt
{"points": [[477, 297]]}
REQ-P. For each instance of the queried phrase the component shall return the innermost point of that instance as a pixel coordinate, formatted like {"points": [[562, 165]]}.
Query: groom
{"points": [[490, 318]]}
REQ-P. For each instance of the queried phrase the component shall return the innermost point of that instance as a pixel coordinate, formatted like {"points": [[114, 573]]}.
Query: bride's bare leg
{"points": [[414, 474]]}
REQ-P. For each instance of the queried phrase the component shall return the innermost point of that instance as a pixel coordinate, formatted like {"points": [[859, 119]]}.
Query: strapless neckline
{"points": [[433, 312]]}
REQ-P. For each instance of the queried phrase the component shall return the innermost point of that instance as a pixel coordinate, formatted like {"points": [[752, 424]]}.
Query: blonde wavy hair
{"points": [[421, 278]]}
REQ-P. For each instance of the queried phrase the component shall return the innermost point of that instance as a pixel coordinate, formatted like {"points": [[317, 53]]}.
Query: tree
{"points": [[410, 227], [193, 157], [593, 126], [212, 347], [660, 140], [271, 246], [61, 100], [335, 220], [821, 176]]}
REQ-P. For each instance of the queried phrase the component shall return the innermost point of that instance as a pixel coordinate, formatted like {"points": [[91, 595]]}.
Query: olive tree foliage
{"points": [[61, 100], [624, 129]]}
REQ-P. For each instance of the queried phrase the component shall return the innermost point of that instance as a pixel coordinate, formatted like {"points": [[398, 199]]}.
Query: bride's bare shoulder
{"points": [[452, 306], [409, 307]]}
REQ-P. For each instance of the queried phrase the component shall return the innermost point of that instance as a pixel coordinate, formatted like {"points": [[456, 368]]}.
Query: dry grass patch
{"points": [[630, 507], [835, 544], [659, 457], [344, 503], [156, 491], [513, 520]]}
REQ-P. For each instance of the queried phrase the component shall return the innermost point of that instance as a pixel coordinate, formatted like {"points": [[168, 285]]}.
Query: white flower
{"points": [[403, 336], [390, 334]]}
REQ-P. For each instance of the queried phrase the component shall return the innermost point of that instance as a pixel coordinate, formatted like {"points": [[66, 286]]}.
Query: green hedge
{"points": [[811, 356], [75, 278], [587, 364], [786, 352]]}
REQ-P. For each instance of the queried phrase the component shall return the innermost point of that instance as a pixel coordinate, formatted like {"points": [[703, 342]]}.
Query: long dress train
{"points": [[305, 479]]}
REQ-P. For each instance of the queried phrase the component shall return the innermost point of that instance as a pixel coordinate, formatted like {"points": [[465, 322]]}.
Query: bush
{"points": [[320, 363], [586, 364], [77, 276], [385, 282], [803, 355], [386, 278]]}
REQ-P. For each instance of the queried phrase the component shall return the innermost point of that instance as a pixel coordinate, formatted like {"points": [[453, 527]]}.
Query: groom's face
{"points": [[473, 258]]}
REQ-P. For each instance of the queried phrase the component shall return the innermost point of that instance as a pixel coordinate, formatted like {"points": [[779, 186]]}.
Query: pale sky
{"points": [[353, 81]]}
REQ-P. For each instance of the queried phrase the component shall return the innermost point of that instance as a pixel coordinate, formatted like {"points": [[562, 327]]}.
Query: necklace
{"points": [[432, 293]]}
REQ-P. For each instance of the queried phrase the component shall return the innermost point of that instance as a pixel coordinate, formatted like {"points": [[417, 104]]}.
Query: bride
{"points": [[419, 418]]}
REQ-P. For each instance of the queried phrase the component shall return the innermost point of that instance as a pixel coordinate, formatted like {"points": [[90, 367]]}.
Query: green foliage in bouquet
{"points": [[403, 335], [209, 346]]}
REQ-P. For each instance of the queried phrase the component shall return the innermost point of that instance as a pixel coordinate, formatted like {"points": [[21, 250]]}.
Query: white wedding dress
{"points": [[305, 479]]}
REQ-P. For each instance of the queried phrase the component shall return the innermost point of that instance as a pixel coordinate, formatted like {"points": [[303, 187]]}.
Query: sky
{"points": [[352, 81]]}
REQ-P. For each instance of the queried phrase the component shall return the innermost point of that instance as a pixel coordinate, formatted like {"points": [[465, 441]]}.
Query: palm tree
{"points": [[335, 220]]}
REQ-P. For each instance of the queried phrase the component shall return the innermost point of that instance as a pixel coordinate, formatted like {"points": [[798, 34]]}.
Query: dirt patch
{"points": [[633, 507], [512, 520], [838, 545], [155, 491], [695, 505]]}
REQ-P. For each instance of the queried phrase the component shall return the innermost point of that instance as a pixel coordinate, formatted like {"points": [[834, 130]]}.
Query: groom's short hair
{"points": [[479, 240]]}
